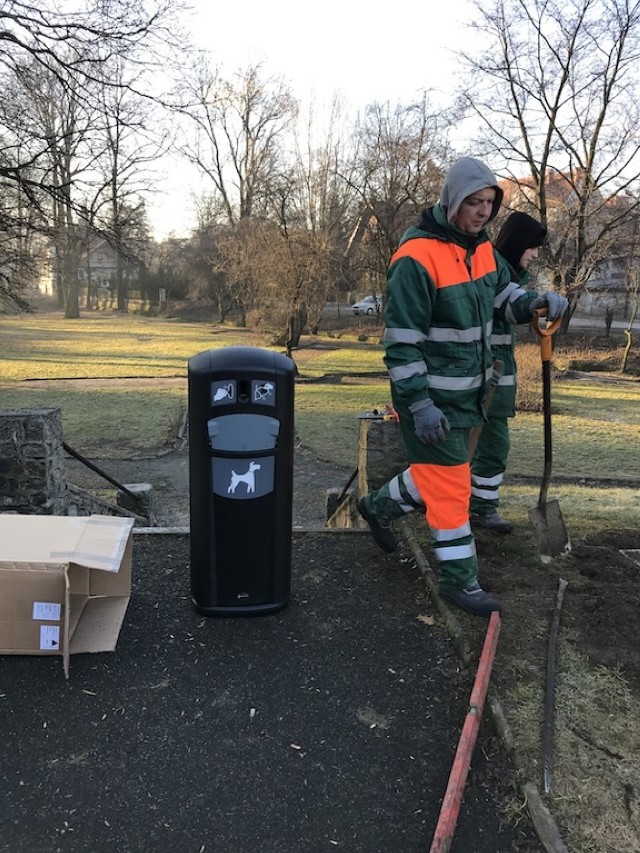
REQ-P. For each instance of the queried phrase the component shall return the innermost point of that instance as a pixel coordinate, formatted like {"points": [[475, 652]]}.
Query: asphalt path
{"points": [[328, 725]]}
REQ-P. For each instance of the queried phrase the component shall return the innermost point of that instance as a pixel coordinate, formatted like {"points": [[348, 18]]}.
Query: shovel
{"points": [[546, 518], [474, 433]]}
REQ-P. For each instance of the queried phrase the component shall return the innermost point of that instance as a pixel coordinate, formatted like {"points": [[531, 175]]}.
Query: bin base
{"points": [[233, 610]]}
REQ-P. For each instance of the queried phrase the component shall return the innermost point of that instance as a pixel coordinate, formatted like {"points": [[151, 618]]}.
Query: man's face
{"points": [[475, 211], [527, 256]]}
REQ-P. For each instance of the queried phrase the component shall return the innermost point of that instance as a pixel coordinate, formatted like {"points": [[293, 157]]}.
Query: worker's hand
{"points": [[430, 424], [494, 379], [555, 303]]}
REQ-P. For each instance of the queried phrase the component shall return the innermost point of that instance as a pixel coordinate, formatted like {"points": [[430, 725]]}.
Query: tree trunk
{"points": [[72, 310], [71, 286], [629, 335]]}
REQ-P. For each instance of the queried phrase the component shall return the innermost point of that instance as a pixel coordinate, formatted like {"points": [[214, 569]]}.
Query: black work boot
{"points": [[472, 600], [381, 532], [492, 521]]}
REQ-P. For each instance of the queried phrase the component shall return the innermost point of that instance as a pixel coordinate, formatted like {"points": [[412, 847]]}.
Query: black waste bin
{"points": [[240, 479]]}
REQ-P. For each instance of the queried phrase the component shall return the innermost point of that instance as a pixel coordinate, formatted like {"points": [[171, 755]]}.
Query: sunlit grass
{"points": [[327, 417], [49, 347], [592, 448], [611, 401], [583, 508], [357, 358], [107, 419]]}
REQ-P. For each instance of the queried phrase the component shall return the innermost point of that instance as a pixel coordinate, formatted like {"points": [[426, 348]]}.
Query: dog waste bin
{"points": [[240, 479]]}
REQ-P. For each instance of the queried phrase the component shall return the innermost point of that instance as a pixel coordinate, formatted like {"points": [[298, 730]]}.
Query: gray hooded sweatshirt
{"points": [[465, 177]]}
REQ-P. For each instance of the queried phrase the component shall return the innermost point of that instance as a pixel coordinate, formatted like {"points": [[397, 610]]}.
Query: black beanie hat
{"points": [[518, 233]]}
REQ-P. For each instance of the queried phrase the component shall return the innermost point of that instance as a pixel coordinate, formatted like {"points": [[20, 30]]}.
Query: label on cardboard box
{"points": [[49, 637], [47, 611]]}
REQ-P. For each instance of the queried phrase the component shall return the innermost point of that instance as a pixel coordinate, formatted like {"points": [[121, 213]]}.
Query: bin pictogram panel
{"points": [[243, 479], [263, 393], [223, 392]]}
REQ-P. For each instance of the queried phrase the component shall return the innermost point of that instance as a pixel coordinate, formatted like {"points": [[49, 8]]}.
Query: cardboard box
{"points": [[65, 583]]}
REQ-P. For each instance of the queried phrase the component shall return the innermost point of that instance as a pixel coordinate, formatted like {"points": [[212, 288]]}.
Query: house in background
{"points": [[96, 274]]}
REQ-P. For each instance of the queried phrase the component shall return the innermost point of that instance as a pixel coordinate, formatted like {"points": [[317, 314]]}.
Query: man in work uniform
{"points": [[517, 243], [445, 285]]}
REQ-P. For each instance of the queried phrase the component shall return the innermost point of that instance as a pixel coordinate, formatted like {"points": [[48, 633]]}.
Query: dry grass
{"points": [[529, 392], [596, 759]]}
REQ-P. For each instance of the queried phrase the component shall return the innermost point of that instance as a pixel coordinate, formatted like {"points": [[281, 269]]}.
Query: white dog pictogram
{"points": [[249, 478]]}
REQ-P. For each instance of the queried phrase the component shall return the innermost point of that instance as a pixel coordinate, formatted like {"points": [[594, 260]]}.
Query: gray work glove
{"points": [[555, 303], [430, 424]]}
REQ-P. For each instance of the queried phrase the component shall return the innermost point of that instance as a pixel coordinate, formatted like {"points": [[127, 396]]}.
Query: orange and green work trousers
{"points": [[488, 466], [441, 483], [487, 473]]}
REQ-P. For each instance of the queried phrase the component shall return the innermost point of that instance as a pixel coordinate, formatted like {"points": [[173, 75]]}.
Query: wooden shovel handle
{"points": [[545, 332]]}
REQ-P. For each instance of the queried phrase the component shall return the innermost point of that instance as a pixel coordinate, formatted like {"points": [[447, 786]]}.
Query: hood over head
{"points": [[518, 233], [465, 177]]}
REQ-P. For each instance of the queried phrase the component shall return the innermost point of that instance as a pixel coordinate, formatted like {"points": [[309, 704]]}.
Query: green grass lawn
{"points": [[596, 426]]}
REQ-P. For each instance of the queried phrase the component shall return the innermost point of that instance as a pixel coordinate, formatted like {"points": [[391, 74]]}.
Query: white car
{"points": [[368, 305]]}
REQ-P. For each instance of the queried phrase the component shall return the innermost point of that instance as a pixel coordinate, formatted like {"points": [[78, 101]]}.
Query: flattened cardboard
{"points": [[65, 583]]}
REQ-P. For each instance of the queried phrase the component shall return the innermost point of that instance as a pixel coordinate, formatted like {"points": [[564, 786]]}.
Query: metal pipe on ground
{"points": [[460, 769], [99, 471], [550, 690]]}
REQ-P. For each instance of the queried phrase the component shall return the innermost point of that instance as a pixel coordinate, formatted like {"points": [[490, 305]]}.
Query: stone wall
{"points": [[32, 471], [33, 477]]}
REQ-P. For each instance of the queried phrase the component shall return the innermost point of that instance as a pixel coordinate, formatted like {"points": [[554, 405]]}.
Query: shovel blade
{"points": [[551, 532]]}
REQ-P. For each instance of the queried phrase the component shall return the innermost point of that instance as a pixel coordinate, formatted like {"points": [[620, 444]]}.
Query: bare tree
{"points": [[630, 249], [277, 205], [65, 50], [633, 290], [236, 136], [313, 208], [554, 94], [132, 141], [169, 270], [62, 119], [237, 252], [402, 151], [209, 281]]}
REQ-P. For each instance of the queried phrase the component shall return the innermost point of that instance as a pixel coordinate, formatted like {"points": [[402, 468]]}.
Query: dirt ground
{"points": [[602, 599]]}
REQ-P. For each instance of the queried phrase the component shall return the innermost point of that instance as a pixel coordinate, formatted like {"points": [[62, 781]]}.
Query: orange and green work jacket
{"points": [[445, 287]]}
